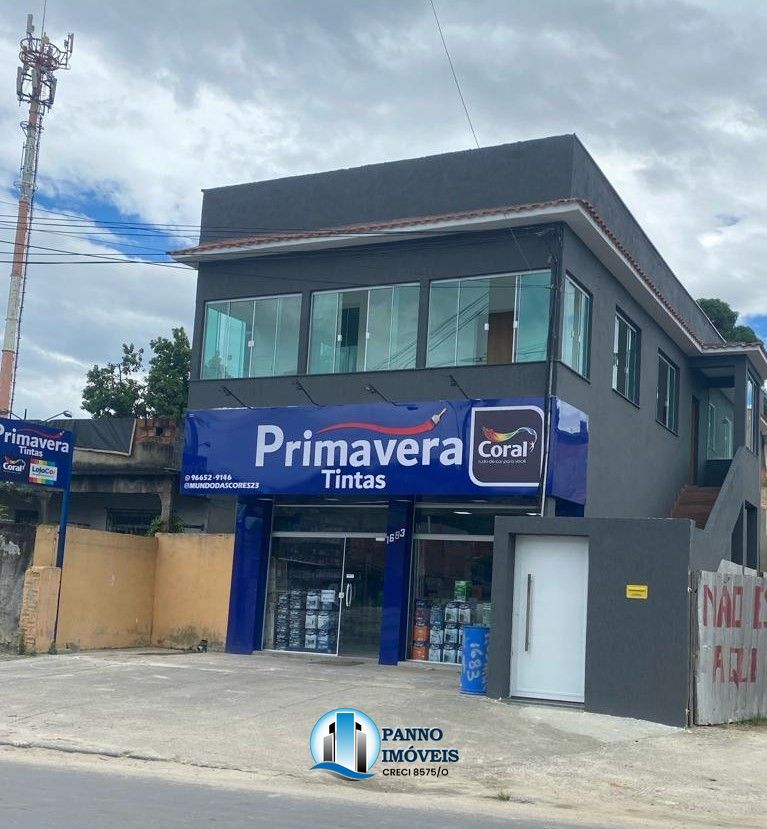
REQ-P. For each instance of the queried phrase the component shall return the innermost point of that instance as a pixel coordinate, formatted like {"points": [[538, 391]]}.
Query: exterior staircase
{"points": [[695, 503]]}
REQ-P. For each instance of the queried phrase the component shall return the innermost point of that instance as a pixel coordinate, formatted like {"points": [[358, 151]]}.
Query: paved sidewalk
{"points": [[253, 714]]}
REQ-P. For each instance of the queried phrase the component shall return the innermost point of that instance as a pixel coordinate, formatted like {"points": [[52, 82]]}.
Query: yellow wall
{"points": [[46, 539], [192, 584], [121, 591], [107, 590]]}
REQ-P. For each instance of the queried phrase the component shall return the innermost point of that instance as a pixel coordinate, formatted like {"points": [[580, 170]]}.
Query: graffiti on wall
{"points": [[730, 652]]}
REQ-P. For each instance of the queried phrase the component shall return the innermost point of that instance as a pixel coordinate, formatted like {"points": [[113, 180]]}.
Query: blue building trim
{"points": [[394, 613], [249, 572]]}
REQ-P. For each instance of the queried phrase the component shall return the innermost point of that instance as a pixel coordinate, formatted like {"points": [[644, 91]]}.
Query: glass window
{"points": [[532, 334], [251, 337], [467, 519], [626, 359], [668, 393], [489, 319], [216, 332], [451, 588], [576, 328], [369, 330], [752, 401], [719, 430], [314, 518]]}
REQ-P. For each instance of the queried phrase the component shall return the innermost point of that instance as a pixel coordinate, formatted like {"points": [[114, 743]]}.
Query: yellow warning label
{"points": [[636, 591]]}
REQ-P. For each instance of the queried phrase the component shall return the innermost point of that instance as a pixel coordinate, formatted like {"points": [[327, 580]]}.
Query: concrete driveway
{"points": [[253, 715]]}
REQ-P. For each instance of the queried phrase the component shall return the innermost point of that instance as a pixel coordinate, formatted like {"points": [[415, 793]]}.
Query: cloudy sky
{"points": [[169, 96]]}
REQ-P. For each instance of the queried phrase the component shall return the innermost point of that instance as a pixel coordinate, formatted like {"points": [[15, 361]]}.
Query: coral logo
{"points": [[505, 447], [15, 465], [503, 437], [346, 742]]}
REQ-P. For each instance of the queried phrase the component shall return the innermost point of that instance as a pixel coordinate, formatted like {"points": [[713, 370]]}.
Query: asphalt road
{"points": [[34, 796]]}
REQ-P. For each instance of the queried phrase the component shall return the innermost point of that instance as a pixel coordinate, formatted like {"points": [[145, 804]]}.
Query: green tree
{"points": [[167, 383], [745, 334], [116, 389], [725, 319], [123, 390]]}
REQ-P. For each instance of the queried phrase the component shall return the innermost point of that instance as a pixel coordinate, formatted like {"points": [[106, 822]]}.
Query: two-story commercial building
{"points": [[461, 389]]}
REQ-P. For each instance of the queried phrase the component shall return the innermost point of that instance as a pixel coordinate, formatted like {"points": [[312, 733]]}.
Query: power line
{"points": [[455, 76], [165, 229]]}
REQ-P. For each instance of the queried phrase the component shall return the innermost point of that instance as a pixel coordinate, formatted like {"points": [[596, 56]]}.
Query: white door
{"points": [[548, 641]]}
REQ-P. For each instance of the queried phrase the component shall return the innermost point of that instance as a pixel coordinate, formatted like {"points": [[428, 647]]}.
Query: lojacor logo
{"points": [[506, 446]]}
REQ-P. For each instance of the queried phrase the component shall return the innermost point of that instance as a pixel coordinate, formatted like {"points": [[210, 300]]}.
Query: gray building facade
{"points": [[512, 272]]}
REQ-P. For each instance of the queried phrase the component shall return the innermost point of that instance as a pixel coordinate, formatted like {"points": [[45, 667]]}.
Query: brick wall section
{"points": [[157, 430], [38, 611]]}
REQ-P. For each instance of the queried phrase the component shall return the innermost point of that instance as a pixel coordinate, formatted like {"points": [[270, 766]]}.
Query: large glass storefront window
{"points": [[251, 337], [303, 594], [452, 572], [325, 583], [489, 319], [325, 595], [451, 589], [365, 330]]}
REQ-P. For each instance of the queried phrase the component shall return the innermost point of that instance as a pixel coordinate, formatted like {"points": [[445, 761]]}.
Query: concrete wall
{"points": [[637, 651], [191, 596], [629, 450], [510, 174], [107, 590], [121, 590], [16, 548]]}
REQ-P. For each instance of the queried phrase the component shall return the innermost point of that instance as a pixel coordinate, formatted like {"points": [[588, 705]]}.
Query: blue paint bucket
{"points": [[474, 662]]}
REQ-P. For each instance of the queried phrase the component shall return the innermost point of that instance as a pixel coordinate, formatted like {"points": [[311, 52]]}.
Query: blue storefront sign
{"points": [[35, 454], [445, 447]]}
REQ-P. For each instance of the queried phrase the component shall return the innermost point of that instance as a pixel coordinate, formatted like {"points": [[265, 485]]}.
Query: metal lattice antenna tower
{"points": [[36, 85]]}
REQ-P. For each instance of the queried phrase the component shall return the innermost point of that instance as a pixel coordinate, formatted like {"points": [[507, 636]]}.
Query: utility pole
{"points": [[36, 85]]}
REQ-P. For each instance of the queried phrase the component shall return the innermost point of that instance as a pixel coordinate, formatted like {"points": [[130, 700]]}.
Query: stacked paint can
{"points": [[327, 621], [297, 604], [438, 626], [282, 622], [420, 648], [306, 620]]}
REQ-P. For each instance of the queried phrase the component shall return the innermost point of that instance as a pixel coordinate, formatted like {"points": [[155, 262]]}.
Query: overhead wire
{"points": [[455, 76]]}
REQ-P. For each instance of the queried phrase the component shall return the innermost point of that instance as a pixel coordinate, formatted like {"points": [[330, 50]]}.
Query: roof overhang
{"points": [[414, 229], [754, 353]]}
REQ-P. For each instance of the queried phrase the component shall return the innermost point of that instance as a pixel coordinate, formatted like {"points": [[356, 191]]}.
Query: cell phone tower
{"points": [[36, 85]]}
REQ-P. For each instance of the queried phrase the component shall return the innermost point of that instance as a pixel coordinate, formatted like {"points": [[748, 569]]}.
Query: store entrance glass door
{"points": [[302, 598], [325, 594], [362, 597]]}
